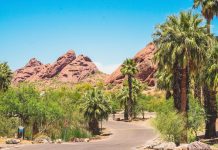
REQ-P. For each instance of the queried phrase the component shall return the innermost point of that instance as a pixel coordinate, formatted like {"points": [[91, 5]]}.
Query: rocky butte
{"points": [[145, 65], [67, 68]]}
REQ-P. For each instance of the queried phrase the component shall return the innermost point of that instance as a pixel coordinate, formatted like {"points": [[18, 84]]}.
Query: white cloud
{"points": [[107, 68]]}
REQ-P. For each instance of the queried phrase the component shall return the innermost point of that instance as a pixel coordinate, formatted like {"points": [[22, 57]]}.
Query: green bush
{"points": [[152, 103], [8, 126], [169, 123], [68, 133], [196, 119]]}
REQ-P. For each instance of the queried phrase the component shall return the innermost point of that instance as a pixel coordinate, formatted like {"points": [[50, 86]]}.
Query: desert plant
{"points": [[129, 69], [5, 76], [196, 119], [170, 123], [96, 108]]}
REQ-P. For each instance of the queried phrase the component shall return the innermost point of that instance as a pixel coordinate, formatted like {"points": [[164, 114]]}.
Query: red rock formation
{"points": [[62, 61], [78, 69], [67, 68], [32, 68], [144, 64]]}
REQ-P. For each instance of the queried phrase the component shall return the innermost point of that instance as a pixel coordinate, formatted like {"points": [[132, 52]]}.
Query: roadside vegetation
{"points": [[187, 60]]}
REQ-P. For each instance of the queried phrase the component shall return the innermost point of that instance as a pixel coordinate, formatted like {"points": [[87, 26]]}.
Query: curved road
{"points": [[125, 136]]}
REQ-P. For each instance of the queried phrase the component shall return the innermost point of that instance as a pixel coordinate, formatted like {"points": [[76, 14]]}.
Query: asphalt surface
{"points": [[125, 136]]}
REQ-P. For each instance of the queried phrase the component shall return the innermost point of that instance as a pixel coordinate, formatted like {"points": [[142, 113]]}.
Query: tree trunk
{"points": [[130, 101], [184, 100], [35, 128], [126, 114], [211, 112], [94, 126], [208, 25], [176, 86], [143, 115], [168, 94], [184, 94]]}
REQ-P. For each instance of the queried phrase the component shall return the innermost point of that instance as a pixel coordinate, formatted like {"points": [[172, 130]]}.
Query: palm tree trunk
{"points": [[130, 96], [184, 100], [176, 86], [211, 112], [184, 93], [126, 114], [210, 105], [94, 126], [208, 25]]}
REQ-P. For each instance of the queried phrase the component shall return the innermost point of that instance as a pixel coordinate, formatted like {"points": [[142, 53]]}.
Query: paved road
{"points": [[126, 136]]}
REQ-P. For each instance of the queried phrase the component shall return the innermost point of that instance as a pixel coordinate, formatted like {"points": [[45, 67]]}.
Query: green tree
{"points": [[124, 99], [96, 107], [5, 76], [182, 42], [137, 87], [210, 78], [129, 69], [209, 9]]}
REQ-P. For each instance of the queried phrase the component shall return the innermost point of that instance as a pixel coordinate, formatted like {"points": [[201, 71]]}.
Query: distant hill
{"points": [[145, 65], [68, 68], [71, 69]]}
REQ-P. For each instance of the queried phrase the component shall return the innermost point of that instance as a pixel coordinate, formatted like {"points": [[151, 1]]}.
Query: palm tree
{"points": [[209, 9], [210, 77], [129, 69], [137, 89], [124, 99], [96, 108], [181, 42], [5, 76]]}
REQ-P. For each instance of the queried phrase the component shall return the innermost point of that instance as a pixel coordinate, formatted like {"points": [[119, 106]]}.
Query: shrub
{"points": [[69, 133], [196, 119], [169, 123], [8, 126]]}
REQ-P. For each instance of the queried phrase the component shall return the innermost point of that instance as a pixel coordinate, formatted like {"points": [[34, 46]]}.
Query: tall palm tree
{"points": [[209, 9], [124, 99], [129, 69], [5, 76], [210, 77], [96, 108], [181, 42], [137, 89]]}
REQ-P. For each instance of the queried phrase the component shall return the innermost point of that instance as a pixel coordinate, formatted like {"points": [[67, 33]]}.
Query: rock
{"points": [[61, 62], [151, 144], [182, 147], [165, 146], [144, 64], [13, 141], [68, 69], [30, 70], [78, 70], [198, 146], [86, 140], [43, 139], [58, 141]]}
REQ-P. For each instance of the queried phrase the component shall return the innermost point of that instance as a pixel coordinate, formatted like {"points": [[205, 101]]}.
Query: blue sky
{"points": [[108, 31]]}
